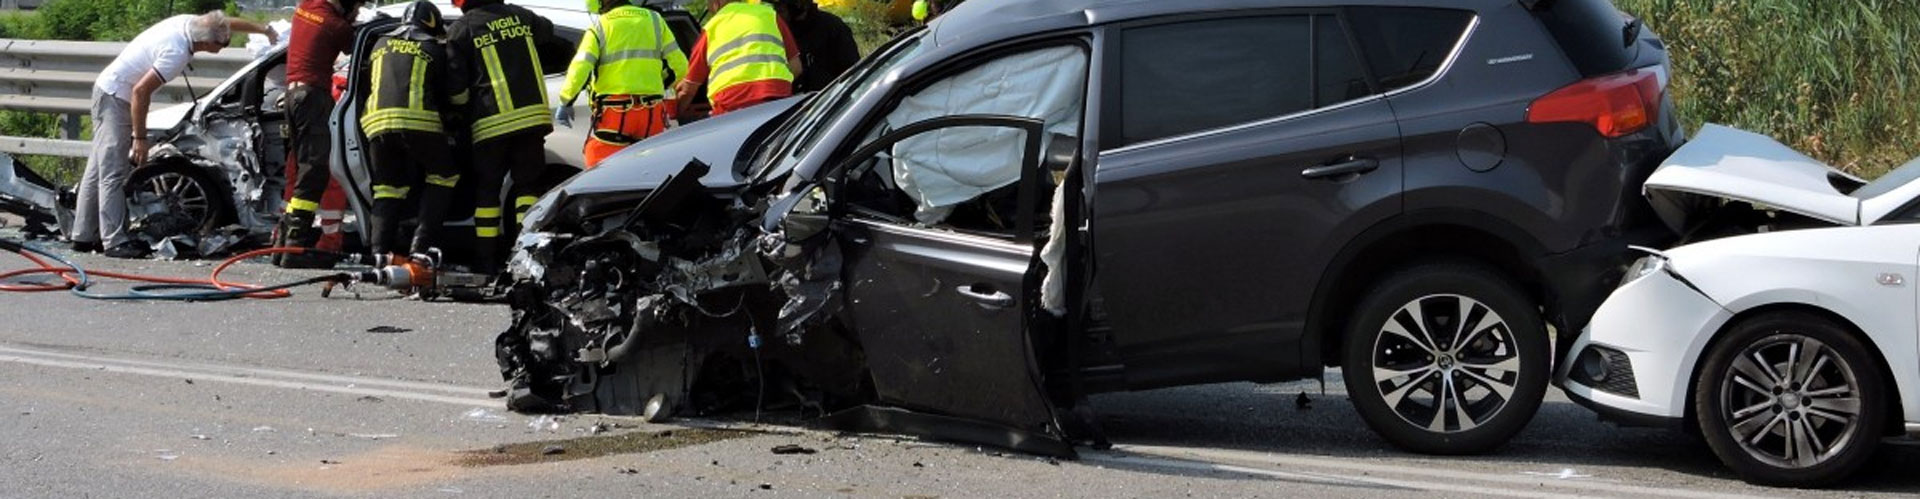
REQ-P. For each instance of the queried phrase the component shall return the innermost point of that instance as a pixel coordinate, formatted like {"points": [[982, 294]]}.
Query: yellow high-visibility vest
{"points": [[628, 52], [744, 45]]}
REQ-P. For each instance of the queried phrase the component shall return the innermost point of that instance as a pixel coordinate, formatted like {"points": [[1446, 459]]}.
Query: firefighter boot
{"points": [[294, 231], [299, 232]]}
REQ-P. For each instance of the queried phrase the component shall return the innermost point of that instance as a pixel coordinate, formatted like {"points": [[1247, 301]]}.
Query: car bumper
{"points": [[1634, 362], [1581, 279]]}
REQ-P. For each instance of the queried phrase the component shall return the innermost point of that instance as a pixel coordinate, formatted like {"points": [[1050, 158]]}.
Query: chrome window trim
{"points": [[1459, 47], [943, 235]]}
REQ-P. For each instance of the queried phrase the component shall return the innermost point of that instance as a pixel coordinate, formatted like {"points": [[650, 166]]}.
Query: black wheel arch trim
{"points": [[1343, 263]]}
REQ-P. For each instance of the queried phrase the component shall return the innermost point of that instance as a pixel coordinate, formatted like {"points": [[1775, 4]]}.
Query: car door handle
{"points": [[986, 296], [1355, 166]]}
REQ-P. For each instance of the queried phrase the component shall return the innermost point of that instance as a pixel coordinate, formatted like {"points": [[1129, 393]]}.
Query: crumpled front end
{"points": [[672, 307], [47, 210], [694, 302]]}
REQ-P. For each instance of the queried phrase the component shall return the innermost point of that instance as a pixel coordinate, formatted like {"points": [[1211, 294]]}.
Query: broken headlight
{"points": [[523, 264], [1644, 266]]}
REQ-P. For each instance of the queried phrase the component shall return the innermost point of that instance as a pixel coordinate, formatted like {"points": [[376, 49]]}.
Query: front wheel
{"points": [[169, 199], [1446, 358], [1790, 399]]}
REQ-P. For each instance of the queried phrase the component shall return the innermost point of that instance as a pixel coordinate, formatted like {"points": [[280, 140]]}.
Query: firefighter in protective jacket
{"points": [[496, 50], [407, 138], [629, 58]]}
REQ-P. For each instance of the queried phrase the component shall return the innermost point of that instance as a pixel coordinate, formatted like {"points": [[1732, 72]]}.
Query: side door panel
{"points": [[1208, 248], [954, 303]]}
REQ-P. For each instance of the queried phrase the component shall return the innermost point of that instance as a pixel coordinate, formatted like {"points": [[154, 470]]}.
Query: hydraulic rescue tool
{"points": [[420, 273]]}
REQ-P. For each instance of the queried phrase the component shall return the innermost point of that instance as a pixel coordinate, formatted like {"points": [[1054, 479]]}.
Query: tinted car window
{"points": [[1186, 77], [1591, 32], [1336, 70], [1406, 45]]}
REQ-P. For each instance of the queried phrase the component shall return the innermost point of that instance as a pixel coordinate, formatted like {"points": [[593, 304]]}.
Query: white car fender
{"points": [[1864, 275]]}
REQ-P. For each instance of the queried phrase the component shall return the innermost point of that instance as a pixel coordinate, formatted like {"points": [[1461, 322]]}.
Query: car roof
{"points": [[985, 21]]}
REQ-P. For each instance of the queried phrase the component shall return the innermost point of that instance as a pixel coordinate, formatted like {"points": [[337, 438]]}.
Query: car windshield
{"points": [[797, 136]]}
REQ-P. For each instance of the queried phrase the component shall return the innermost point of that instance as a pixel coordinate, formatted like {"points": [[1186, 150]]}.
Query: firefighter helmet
{"points": [[422, 14]]}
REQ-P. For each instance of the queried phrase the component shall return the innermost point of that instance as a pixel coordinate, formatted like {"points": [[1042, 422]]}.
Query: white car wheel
{"points": [[1791, 399]]}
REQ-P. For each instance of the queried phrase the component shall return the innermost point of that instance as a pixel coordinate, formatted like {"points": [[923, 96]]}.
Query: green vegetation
{"points": [[869, 23], [1837, 79]]}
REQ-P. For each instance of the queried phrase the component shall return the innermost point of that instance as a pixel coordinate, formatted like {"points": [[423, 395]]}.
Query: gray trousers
{"points": [[101, 215]]}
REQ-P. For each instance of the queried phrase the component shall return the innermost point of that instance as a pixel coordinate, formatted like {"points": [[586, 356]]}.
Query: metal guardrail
{"points": [[57, 77]]}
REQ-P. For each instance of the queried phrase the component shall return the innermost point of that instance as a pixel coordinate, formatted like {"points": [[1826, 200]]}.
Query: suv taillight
{"points": [[1617, 104]]}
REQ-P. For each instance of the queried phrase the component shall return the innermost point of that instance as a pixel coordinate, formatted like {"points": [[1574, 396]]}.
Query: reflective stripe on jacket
{"points": [[744, 45], [628, 52], [498, 46], [409, 85]]}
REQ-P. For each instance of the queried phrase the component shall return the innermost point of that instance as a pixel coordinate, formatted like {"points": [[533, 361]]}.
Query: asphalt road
{"points": [[377, 396]]}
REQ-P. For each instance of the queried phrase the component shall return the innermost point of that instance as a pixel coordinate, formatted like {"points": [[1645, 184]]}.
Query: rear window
{"points": [[1404, 46], [1591, 32]]}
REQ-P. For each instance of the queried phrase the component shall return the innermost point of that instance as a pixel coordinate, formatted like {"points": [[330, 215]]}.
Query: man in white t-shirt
{"points": [[121, 97]]}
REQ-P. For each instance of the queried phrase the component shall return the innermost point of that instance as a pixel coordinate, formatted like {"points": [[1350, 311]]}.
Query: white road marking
{"points": [[254, 372], [1584, 487], [341, 385], [1372, 482]]}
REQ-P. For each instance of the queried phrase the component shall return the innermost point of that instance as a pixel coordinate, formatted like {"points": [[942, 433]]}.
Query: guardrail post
{"points": [[70, 126]]}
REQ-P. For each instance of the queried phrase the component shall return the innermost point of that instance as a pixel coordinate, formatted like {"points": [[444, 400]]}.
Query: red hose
{"points": [[212, 279]]}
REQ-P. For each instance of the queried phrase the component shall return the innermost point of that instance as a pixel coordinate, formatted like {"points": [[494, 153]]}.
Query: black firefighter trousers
{"points": [[405, 163], [522, 157]]}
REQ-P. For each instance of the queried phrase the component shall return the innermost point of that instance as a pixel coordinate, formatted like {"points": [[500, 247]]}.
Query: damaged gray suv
{"points": [[1031, 201]]}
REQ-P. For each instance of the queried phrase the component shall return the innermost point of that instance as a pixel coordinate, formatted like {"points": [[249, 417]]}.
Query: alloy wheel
{"points": [[1446, 362], [181, 193], [1791, 401]]}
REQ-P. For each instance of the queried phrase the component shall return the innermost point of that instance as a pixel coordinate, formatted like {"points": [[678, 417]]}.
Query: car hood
{"points": [[166, 118], [1728, 163], [716, 141]]}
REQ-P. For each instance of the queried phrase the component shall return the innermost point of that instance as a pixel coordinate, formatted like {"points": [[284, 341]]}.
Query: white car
{"points": [[1792, 350]]}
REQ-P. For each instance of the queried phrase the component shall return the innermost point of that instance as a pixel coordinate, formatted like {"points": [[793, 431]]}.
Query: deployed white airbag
{"points": [[947, 167]]}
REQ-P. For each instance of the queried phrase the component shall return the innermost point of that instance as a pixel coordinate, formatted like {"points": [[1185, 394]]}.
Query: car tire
{"points": [[195, 204], [1408, 375], [1763, 425]]}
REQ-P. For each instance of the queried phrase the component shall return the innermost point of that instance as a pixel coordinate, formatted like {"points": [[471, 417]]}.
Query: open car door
{"points": [[350, 162], [948, 314]]}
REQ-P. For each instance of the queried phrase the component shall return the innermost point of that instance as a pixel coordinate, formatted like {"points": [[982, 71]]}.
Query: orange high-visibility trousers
{"points": [[621, 120]]}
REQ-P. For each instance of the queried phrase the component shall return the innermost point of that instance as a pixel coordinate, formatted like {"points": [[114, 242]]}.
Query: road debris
{"points": [[793, 449], [552, 450], [480, 415], [200, 437], [388, 330], [374, 436], [593, 446], [548, 422]]}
